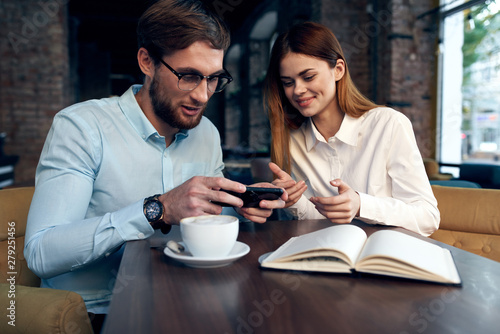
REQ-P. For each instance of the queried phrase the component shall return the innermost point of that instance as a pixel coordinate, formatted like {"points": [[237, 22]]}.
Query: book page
{"points": [[392, 252], [345, 239]]}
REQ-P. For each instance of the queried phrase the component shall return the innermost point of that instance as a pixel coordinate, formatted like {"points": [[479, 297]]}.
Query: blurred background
{"points": [[438, 62]]}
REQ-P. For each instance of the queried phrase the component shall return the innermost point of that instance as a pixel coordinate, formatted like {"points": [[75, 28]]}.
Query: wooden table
{"points": [[156, 294]]}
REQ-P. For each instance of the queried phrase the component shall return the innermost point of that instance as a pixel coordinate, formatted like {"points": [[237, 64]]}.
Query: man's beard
{"points": [[164, 109]]}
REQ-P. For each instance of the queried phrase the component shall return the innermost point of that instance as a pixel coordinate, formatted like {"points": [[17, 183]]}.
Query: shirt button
{"points": [[141, 236]]}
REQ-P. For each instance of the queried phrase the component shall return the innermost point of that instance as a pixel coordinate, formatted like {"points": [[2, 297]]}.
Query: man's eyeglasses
{"points": [[189, 81]]}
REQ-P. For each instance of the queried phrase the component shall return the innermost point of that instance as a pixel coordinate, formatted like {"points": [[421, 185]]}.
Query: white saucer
{"points": [[239, 250]]}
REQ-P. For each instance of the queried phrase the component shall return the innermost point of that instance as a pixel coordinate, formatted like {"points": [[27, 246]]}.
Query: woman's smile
{"points": [[304, 102]]}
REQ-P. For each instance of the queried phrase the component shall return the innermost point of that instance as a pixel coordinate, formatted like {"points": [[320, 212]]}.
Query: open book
{"points": [[346, 248]]}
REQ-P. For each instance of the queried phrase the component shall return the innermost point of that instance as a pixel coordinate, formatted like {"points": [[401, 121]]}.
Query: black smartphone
{"points": [[253, 195]]}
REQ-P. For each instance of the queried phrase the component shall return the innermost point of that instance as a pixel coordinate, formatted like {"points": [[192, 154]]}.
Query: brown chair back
{"points": [[470, 219], [14, 207]]}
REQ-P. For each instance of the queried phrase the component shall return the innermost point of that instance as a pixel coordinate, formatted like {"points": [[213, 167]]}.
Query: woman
{"points": [[336, 153]]}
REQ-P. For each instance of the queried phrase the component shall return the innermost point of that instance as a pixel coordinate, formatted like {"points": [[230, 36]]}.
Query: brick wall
{"points": [[34, 76], [349, 21], [391, 58], [413, 68]]}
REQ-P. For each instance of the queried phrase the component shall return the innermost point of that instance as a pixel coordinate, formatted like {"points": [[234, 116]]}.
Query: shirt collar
{"points": [[136, 117], [348, 132], [311, 134]]}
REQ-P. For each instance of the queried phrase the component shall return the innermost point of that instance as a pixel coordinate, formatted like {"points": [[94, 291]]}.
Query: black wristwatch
{"points": [[153, 210]]}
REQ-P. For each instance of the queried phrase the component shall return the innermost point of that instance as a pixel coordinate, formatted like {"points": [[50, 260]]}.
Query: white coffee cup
{"points": [[212, 236]]}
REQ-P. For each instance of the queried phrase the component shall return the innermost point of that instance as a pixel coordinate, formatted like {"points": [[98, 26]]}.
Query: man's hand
{"points": [[339, 209], [285, 181], [265, 209], [194, 197]]}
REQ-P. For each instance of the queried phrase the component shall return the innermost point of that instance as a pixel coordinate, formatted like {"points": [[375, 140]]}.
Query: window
{"points": [[469, 111]]}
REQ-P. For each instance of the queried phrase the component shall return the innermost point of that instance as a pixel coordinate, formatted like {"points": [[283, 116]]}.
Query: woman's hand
{"points": [[339, 209], [285, 181]]}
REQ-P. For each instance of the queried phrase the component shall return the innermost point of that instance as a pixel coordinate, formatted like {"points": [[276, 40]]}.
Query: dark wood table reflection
{"points": [[156, 294]]}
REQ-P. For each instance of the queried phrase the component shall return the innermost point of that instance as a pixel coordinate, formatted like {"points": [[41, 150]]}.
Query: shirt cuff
{"points": [[369, 209], [131, 223]]}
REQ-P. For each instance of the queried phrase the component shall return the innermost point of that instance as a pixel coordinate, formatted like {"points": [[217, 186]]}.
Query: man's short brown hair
{"points": [[171, 25]]}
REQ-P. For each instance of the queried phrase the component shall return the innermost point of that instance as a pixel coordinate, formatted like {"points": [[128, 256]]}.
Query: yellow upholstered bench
{"points": [[470, 219], [31, 309]]}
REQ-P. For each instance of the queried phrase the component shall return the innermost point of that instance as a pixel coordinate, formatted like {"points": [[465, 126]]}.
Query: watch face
{"points": [[153, 211]]}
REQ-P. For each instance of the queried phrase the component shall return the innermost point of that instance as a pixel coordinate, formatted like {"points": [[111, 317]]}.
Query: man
{"points": [[115, 169]]}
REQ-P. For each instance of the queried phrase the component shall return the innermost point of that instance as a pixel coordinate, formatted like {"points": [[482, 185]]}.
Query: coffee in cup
{"points": [[211, 236]]}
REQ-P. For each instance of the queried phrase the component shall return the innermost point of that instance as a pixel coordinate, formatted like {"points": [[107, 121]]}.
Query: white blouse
{"points": [[377, 156]]}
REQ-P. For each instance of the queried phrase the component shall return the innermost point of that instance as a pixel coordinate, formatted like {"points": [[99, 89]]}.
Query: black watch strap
{"points": [[159, 223]]}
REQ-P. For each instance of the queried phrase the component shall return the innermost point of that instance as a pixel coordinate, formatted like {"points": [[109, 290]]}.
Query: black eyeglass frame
{"points": [[208, 77]]}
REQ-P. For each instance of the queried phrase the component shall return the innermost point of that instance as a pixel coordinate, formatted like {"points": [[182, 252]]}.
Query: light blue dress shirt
{"points": [[100, 160]]}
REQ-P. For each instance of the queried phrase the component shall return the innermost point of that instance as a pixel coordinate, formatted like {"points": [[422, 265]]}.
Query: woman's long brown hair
{"points": [[315, 40]]}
